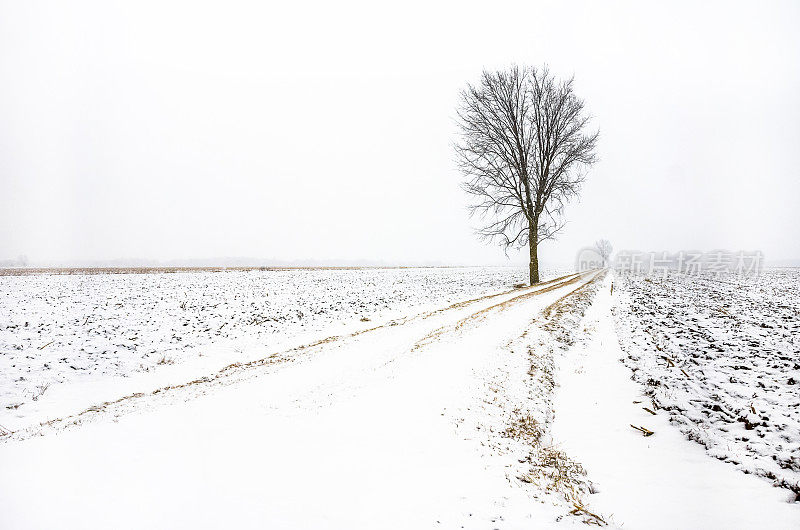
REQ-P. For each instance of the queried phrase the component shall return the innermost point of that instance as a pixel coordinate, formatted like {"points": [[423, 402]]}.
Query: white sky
{"points": [[323, 130]]}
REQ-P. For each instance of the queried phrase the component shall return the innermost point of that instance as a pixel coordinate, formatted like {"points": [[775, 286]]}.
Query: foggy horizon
{"points": [[260, 133]]}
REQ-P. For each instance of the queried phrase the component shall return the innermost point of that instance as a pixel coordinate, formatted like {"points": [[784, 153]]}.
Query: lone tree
{"points": [[524, 149], [604, 248]]}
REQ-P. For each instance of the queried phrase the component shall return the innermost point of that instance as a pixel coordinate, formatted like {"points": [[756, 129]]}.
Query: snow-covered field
{"points": [[460, 403], [66, 340], [721, 355], [658, 481]]}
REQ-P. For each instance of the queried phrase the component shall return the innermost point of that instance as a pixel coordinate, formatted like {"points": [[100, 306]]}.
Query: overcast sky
{"points": [[323, 130]]}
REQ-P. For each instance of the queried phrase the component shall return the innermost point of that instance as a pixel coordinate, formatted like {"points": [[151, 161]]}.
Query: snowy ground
{"points": [[66, 339], [721, 356], [508, 410], [657, 481], [359, 431]]}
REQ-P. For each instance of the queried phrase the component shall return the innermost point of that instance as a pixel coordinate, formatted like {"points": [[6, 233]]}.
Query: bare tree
{"points": [[604, 248], [523, 150]]}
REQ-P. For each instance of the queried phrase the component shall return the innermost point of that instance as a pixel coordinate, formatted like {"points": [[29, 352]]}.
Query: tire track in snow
{"points": [[483, 313], [241, 371]]}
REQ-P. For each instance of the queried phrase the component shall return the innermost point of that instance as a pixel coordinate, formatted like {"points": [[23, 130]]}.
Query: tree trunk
{"points": [[533, 242]]}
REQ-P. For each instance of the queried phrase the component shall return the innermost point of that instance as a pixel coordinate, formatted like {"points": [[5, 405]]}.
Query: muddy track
{"points": [[483, 313]]}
